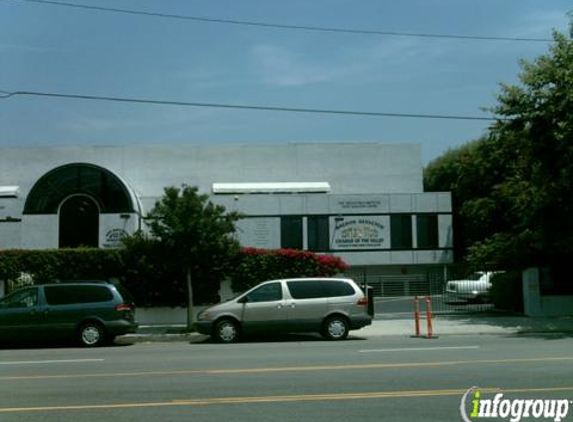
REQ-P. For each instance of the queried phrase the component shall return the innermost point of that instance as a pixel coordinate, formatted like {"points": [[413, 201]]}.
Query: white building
{"points": [[361, 201]]}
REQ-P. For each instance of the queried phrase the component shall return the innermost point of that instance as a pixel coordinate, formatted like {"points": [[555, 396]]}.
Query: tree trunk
{"points": [[190, 315]]}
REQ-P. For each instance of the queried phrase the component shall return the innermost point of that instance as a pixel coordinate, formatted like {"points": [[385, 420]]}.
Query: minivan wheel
{"points": [[335, 328], [91, 334], [226, 331]]}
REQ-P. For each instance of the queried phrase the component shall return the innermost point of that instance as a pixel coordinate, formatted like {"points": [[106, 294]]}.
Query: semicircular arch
{"points": [[108, 190]]}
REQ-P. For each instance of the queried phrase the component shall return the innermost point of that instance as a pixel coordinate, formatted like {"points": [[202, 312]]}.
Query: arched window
{"points": [[109, 192]]}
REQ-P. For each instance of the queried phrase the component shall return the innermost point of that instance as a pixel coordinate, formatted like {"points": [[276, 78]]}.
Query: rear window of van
{"points": [[313, 289], [67, 295]]}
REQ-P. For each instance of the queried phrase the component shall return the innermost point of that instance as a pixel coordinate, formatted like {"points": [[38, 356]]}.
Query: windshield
{"points": [[26, 298]]}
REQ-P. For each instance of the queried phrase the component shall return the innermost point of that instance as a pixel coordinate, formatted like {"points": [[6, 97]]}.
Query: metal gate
{"points": [[394, 294]]}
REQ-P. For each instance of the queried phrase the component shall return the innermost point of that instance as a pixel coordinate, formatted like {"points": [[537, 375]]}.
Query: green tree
{"points": [[537, 128], [192, 234], [513, 189], [472, 173]]}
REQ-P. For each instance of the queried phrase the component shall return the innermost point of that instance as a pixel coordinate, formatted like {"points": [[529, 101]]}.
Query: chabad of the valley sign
{"points": [[360, 232]]}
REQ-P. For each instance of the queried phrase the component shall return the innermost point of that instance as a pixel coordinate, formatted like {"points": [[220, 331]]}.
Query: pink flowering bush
{"points": [[150, 276], [256, 265]]}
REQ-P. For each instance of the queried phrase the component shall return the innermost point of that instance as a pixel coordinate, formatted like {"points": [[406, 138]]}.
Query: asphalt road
{"points": [[288, 379]]}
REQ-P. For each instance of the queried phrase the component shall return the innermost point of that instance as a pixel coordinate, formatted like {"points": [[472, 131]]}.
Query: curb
{"points": [[386, 327]]}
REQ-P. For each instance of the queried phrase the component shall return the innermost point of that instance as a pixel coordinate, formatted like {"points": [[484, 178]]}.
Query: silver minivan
{"points": [[330, 306]]}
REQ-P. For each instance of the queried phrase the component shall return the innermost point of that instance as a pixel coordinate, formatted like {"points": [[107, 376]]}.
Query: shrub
{"points": [[151, 277], [257, 265], [60, 264]]}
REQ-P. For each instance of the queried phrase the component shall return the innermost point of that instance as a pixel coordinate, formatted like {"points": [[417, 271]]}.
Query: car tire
{"points": [[91, 334], [335, 328], [226, 331]]}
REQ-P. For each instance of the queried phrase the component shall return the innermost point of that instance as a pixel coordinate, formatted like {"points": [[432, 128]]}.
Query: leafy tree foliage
{"points": [[194, 237], [538, 132], [513, 189]]}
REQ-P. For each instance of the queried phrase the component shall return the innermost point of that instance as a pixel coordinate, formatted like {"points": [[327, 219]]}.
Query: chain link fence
{"points": [[395, 293]]}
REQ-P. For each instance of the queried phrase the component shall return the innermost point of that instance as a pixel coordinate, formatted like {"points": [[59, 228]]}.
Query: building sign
{"points": [[113, 238], [260, 232], [360, 232], [352, 204], [358, 204]]}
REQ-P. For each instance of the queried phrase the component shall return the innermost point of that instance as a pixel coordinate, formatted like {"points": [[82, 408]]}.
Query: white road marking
{"points": [[41, 362], [418, 349]]}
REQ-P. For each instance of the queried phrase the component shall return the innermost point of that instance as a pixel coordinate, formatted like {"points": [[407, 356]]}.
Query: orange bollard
{"points": [[429, 317], [417, 316]]}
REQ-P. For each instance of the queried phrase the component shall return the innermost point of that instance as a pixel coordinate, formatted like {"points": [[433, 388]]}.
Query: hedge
{"points": [[256, 265], [150, 278], [60, 264]]}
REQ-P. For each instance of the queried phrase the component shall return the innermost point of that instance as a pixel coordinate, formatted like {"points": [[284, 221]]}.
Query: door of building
{"points": [[79, 222]]}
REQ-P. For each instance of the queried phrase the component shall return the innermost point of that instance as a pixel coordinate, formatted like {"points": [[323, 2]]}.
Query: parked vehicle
{"points": [[90, 312], [474, 288], [330, 306]]}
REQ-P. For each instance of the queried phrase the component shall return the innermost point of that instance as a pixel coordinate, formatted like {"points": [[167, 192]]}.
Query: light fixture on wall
{"points": [[10, 219]]}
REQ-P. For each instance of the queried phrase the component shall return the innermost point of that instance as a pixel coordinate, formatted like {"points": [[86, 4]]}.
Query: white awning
{"points": [[271, 187], [9, 191]]}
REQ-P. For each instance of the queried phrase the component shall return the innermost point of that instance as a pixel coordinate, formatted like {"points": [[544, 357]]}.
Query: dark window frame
{"points": [[427, 231], [291, 232], [318, 233], [401, 231]]}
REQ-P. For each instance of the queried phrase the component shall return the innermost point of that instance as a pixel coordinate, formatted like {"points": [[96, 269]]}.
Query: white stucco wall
{"points": [[40, 231], [366, 178], [369, 167], [537, 305]]}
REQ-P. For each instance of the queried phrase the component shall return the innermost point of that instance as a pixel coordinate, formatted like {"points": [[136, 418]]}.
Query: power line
{"points": [[242, 106], [281, 26]]}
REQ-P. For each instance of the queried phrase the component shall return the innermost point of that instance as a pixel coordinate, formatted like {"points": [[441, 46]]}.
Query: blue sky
{"points": [[50, 48]]}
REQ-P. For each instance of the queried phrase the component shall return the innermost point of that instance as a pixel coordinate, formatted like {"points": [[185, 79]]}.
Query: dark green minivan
{"points": [[90, 312]]}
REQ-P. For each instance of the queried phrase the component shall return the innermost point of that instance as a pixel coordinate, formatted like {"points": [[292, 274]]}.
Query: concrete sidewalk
{"points": [[471, 324], [402, 325]]}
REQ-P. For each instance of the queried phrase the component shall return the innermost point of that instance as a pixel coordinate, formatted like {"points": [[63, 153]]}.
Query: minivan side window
{"points": [[67, 295], [338, 288], [267, 293], [24, 299], [305, 289], [319, 288]]}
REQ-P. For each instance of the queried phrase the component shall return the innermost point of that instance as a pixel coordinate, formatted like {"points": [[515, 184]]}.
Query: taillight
{"points": [[363, 301], [123, 307]]}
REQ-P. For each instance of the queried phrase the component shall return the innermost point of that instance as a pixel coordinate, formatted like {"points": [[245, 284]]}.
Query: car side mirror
{"points": [[244, 299]]}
